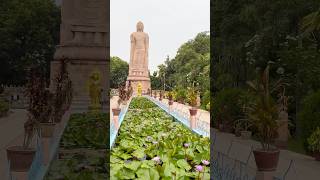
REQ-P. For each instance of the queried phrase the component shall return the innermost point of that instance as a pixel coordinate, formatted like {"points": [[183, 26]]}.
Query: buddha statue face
{"points": [[140, 26]]}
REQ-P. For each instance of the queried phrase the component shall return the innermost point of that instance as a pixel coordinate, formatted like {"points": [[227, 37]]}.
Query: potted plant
{"points": [[129, 92], [122, 97], [46, 119], [192, 99], [242, 128], [314, 143], [181, 95], [263, 114], [21, 157], [160, 95], [174, 96], [63, 93]]}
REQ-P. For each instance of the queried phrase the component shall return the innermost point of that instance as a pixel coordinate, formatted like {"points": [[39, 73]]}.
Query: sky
{"points": [[169, 23]]}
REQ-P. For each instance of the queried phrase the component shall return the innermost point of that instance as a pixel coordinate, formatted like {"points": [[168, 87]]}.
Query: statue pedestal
{"points": [[145, 82], [84, 37]]}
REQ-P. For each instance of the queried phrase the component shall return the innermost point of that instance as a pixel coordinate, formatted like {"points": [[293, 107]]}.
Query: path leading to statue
{"points": [[11, 133], [202, 114], [302, 167]]}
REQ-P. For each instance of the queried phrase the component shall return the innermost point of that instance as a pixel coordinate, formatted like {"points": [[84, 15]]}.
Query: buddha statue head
{"points": [[140, 26]]}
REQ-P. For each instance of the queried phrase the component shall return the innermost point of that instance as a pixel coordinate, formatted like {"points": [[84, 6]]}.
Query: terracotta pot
{"points": [[47, 129], [116, 111], [316, 155], [20, 158], [246, 134], [170, 102], [266, 160], [193, 111]]}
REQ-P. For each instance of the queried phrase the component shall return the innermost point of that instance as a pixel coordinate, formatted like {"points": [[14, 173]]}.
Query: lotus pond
{"points": [[152, 145], [83, 151]]}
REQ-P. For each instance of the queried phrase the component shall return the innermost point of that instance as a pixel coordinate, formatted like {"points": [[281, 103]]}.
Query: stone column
{"points": [[116, 112], [193, 113], [283, 132], [170, 104]]}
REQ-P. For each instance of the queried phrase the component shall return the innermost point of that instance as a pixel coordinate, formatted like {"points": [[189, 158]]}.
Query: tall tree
{"points": [[29, 31], [119, 72]]}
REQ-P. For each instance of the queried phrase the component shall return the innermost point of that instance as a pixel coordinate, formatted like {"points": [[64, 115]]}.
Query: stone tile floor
{"points": [[303, 167]]}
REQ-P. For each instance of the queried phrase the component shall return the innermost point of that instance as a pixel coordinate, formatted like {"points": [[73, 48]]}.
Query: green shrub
{"points": [[314, 141], [192, 97], [205, 100], [4, 108], [309, 116], [86, 130], [141, 103], [181, 95], [226, 107]]}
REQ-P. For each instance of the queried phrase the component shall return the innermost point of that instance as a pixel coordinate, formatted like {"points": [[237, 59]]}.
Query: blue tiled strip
{"points": [[179, 117], [38, 169], [113, 130]]}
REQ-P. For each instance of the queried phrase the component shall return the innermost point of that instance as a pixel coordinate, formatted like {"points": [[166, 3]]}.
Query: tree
{"points": [[119, 72], [155, 81], [29, 31], [249, 34], [192, 60]]}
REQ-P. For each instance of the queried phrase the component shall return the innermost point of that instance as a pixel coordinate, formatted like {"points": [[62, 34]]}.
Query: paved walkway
{"points": [[11, 133], [303, 167]]}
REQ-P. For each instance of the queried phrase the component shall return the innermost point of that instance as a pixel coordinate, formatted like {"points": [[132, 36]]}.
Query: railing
{"points": [[181, 113], [37, 161]]}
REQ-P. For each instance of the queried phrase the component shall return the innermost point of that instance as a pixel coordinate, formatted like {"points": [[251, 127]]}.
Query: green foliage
{"points": [[181, 95], [249, 34], [86, 131], [263, 113], [170, 95], [84, 143], [4, 108], [29, 31], [205, 101], [309, 116], [192, 96], [226, 108], [155, 81], [192, 61], [314, 141], [118, 71], [150, 133], [83, 165], [141, 103]]}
